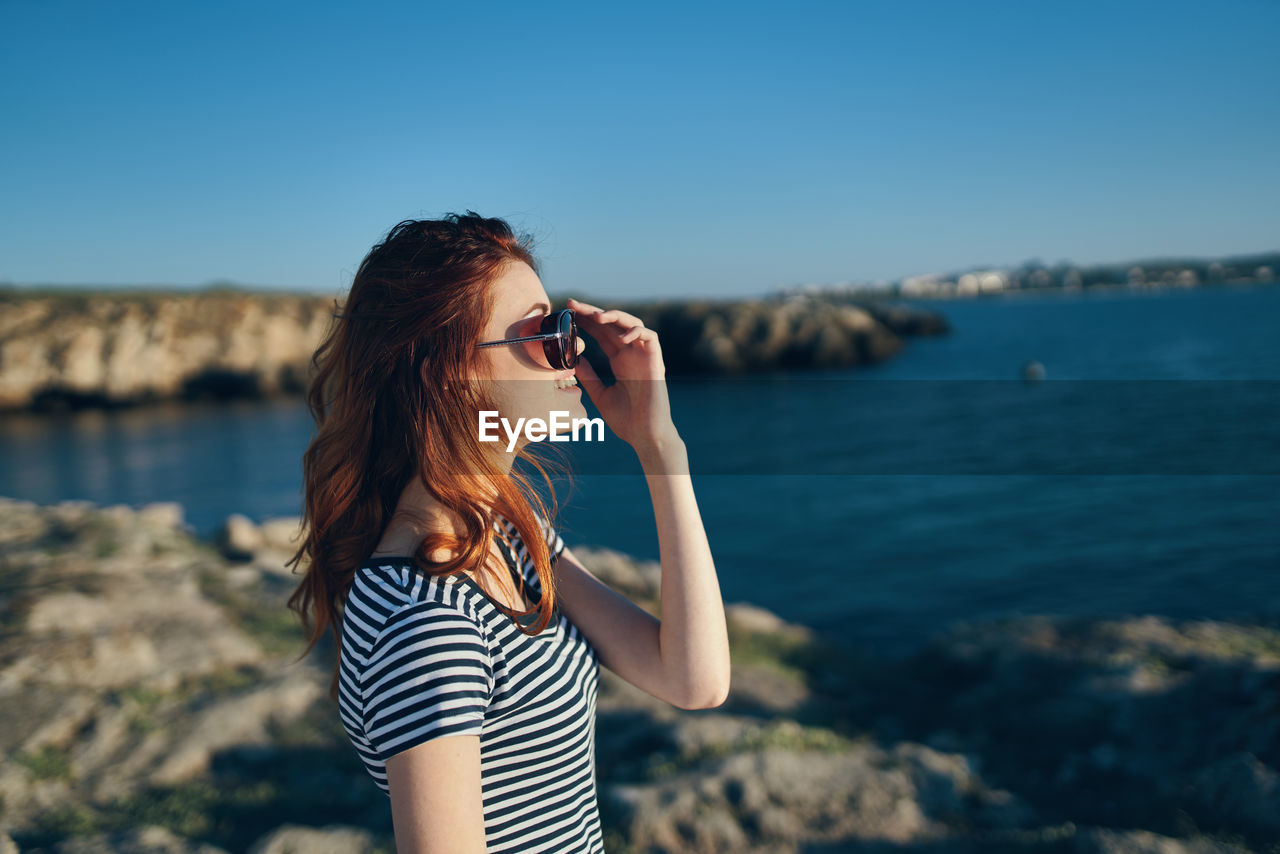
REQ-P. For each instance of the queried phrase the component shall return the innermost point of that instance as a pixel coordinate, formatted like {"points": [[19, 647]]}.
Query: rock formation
{"points": [[797, 332], [104, 349]]}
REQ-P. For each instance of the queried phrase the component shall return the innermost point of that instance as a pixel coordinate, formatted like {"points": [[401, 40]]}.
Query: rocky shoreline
{"points": [[105, 350], [152, 703]]}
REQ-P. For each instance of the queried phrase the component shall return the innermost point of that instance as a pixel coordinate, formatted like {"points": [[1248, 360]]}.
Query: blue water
{"points": [[1223, 332], [1122, 484]]}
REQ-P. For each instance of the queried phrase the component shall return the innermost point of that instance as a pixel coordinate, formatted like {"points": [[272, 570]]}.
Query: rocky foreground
{"points": [[150, 702], [107, 349]]}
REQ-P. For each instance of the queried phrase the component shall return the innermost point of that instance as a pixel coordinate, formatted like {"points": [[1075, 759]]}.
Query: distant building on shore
{"points": [[1147, 274]]}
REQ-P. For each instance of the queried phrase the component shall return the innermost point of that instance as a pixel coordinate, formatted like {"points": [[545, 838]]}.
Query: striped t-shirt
{"points": [[424, 657]]}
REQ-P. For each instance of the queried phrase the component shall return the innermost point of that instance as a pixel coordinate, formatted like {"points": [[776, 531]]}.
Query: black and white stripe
{"points": [[424, 657]]}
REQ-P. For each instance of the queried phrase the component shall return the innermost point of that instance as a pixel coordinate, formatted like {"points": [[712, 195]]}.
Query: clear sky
{"points": [[655, 148]]}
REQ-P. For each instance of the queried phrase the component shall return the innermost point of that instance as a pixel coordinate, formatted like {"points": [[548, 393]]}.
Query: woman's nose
{"points": [[582, 345]]}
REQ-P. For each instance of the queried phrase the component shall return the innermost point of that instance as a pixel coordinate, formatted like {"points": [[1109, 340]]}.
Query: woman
{"points": [[467, 667]]}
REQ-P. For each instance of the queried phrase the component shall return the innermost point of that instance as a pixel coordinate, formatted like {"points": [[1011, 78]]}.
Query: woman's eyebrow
{"points": [[542, 305]]}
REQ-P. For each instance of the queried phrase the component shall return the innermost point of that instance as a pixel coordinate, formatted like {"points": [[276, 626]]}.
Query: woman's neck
{"points": [[418, 515]]}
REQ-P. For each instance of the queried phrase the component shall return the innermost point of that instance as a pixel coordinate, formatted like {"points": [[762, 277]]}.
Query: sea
{"points": [[1101, 452]]}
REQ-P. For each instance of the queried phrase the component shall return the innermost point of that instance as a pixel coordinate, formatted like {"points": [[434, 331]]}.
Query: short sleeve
{"points": [[555, 545], [428, 674]]}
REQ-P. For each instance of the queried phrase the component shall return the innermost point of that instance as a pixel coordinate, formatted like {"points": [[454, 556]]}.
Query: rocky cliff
{"points": [[786, 333], [106, 349], [110, 349], [151, 703]]}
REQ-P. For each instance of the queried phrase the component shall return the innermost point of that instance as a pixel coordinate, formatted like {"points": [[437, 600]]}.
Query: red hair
{"points": [[391, 400]]}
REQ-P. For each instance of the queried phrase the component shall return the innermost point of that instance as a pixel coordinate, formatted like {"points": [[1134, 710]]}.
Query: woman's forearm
{"points": [[693, 638]]}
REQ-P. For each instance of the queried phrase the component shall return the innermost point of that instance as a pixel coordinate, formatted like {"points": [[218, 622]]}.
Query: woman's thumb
{"points": [[587, 378]]}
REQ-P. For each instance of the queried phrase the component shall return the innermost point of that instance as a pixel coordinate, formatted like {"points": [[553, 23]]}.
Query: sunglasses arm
{"points": [[546, 337]]}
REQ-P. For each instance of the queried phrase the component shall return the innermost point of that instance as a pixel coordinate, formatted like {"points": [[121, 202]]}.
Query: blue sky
{"points": [[655, 148]]}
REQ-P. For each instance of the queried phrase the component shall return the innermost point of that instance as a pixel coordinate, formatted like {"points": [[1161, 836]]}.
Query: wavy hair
{"points": [[392, 399]]}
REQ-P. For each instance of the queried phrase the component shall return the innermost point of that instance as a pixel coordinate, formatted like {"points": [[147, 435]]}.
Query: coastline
{"points": [[91, 350], [1155, 289]]}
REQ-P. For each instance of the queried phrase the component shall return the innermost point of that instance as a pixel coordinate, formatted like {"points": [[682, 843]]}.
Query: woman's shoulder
{"points": [[390, 595], [549, 533]]}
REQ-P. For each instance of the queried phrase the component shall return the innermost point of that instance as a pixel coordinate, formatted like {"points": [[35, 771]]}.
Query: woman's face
{"points": [[524, 382]]}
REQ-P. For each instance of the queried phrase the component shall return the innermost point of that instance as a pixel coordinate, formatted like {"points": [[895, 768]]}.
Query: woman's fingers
{"points": [[600, 332], [616, 326], [615, 315], [638, 332], [595, 314]]}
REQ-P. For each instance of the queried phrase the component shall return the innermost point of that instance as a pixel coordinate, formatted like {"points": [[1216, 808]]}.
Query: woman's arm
{"points": [[436, 802], [683, 658], [694, 638]]}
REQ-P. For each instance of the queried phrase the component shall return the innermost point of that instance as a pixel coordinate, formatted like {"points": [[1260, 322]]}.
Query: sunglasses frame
{"points": [[561, 356]]}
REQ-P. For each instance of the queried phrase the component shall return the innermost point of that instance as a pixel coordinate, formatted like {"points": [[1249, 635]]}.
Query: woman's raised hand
{"points": [[636, 407]]}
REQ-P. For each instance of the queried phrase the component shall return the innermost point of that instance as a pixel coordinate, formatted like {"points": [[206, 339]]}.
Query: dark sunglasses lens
{"points": [[562, 351], [569, 341]]}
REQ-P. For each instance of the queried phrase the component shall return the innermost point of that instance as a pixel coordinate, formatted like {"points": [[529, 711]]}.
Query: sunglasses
{"points": [[559, 336]]}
